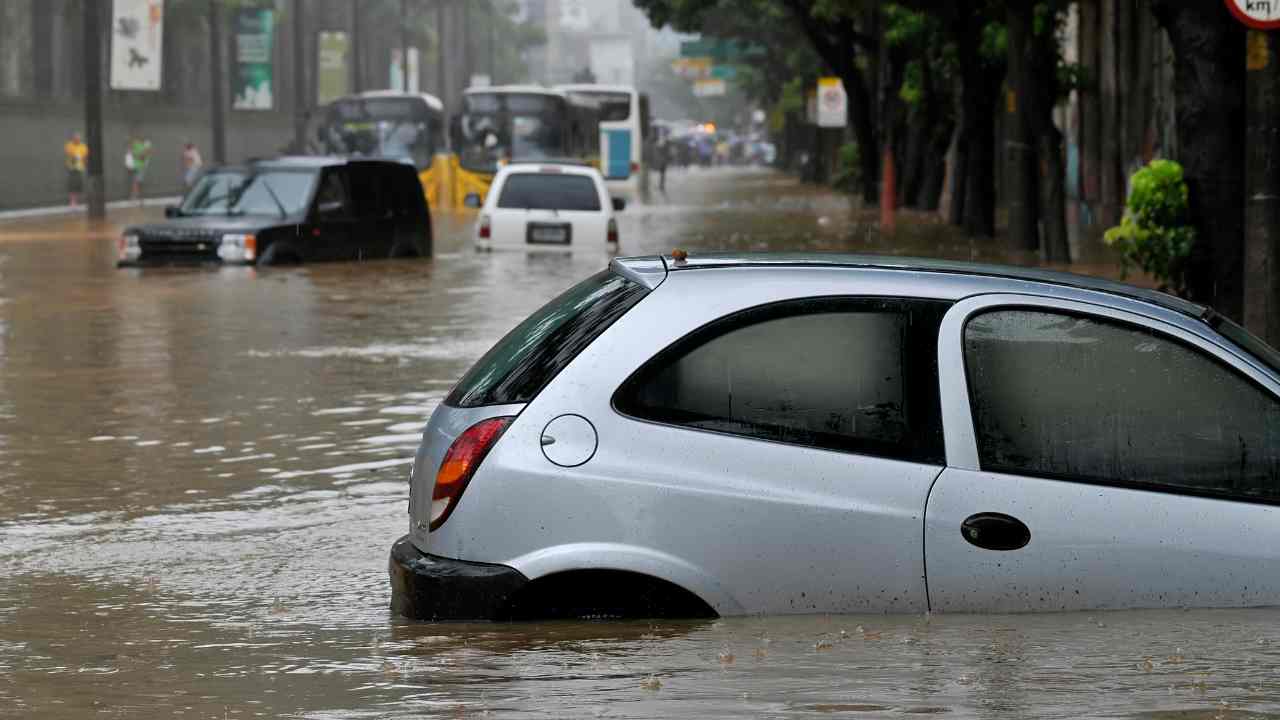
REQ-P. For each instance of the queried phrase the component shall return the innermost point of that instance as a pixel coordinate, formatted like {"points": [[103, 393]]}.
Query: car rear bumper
{"points": [[428, 587]]}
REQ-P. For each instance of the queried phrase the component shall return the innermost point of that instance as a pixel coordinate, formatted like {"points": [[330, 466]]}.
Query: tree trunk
{"points": [[862, 123], [1090, 139], [1043, 96], [1209, 88], [1112, 178], [1056, 246], [1021, 189], [1262, 217], [979, 88], [913, 159]]}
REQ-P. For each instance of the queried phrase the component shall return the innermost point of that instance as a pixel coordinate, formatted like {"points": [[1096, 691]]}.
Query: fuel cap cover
{"points": [[569, 440]]}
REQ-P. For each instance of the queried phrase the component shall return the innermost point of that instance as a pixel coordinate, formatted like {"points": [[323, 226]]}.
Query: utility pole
{"points": [[357, 66], [301, 98], [1262, 186], [404, 45], [467, 69], [92, 16], [493, 22], [217, 82]]}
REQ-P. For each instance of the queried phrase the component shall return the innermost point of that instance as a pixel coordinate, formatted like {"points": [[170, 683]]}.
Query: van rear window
{"points": [[545, 191], [530, 356]]}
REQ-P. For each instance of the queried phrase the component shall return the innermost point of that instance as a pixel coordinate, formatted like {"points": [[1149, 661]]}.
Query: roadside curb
{"points": [[82, 209]]}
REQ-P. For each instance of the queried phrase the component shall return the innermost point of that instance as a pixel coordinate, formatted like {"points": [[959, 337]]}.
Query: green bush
{"points": [[1155, 234], [848, 174]]}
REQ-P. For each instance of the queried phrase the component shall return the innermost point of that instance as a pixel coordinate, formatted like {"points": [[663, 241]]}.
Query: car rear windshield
{"points": [[522, 363], [546, 191]]}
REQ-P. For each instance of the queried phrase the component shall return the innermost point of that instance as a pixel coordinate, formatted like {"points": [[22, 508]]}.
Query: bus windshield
{"points": [[612, 106], [404, 129], [510, 126]]}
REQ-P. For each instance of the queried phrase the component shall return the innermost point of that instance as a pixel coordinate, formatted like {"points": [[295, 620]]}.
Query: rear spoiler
{"points": [[648, 271]]}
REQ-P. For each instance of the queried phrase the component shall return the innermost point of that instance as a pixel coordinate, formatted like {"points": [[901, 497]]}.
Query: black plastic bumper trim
{"points": [[428, 587]]}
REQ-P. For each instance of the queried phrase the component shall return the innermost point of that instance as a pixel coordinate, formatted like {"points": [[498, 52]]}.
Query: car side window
{"points": [[331, 198], [1062, 395], [850, 374], [368, 192]]}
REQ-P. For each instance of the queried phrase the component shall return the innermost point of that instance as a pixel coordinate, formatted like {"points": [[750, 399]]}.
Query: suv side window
{"points": [[369, 194], [1062, 395], [331, 198], [850, 374]]}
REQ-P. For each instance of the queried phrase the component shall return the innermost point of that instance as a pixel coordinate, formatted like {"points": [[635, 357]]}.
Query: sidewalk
{"points": [[55, 210]]}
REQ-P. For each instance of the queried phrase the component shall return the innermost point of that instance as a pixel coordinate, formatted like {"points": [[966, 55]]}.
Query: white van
{"points": [[547, 206]]}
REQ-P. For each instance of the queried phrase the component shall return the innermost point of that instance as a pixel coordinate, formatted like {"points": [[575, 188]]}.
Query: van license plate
{"points": [[543, 234]]}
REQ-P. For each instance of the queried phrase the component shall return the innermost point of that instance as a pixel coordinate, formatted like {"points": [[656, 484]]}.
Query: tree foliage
{"points": [[1155, 233]]}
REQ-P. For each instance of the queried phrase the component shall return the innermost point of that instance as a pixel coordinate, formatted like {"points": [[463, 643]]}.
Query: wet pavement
{"points": [[202, 471]]}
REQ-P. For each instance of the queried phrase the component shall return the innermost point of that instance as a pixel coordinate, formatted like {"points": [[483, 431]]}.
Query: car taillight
{"points": [[635, 167], [460, 463], [484, 226], [250, 248], [613, 231]]}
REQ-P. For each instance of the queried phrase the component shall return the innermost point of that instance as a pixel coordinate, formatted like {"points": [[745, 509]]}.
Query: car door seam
{"points": [[924, 539]]}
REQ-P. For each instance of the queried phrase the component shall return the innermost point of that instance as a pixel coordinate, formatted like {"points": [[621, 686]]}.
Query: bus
{"points": [[624, 132], [408, 127], [515, 123]]}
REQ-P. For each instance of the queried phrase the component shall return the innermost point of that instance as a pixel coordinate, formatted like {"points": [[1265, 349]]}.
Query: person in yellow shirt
{"points": [[77, 156]]}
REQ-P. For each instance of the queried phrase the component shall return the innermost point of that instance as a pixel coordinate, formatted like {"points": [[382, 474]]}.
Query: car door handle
{"points": [[995, 531]]}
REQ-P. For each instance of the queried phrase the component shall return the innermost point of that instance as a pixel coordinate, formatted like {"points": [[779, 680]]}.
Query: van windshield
{"points": [[530, 356], [543, 191]]}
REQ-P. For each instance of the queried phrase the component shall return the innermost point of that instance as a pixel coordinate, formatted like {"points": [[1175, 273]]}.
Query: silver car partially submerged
{"points": [[735, 434]]}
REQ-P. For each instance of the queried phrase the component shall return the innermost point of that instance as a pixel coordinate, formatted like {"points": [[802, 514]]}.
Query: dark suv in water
{"points": [[289, 210]]}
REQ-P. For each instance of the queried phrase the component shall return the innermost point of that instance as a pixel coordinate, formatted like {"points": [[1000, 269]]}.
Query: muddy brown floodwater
{"points": [[202, 471]]}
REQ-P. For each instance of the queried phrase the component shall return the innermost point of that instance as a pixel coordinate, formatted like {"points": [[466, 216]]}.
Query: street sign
{"points": [[1258, 14], [833, 104], [712, 87], [137, 28], [692, 68]]}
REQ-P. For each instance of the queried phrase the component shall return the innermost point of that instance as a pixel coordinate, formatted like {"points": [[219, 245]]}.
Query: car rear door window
{"points": [[549, 191], [530, 356], [850, 374], [1069, 396]]}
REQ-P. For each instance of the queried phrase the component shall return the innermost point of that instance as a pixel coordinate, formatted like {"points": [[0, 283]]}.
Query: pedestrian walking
{"points": [[191, 164], [77, 158], [661, 156], [137, 156]]}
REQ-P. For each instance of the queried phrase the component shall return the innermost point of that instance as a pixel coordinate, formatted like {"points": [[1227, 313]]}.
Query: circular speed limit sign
{"points": [[1260, 14]]}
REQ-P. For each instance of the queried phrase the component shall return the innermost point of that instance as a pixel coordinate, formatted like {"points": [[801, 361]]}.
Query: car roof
{"points": [[649, 271], [311, 162], [557, 167]]}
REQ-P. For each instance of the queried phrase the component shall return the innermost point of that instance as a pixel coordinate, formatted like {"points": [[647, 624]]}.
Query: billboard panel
{"points": [[137, 42], [332, 74], [252, 84]]}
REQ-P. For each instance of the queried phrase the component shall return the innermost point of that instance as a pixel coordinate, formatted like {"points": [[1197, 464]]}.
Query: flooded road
{"points": [[202, 472]]}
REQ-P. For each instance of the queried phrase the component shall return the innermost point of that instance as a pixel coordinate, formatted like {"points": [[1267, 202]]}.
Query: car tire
{"points": [[275, 256], [403, 250]]}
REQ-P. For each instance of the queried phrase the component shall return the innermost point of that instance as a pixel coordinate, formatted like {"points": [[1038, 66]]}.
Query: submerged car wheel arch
{"points": [[647, 562]]}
